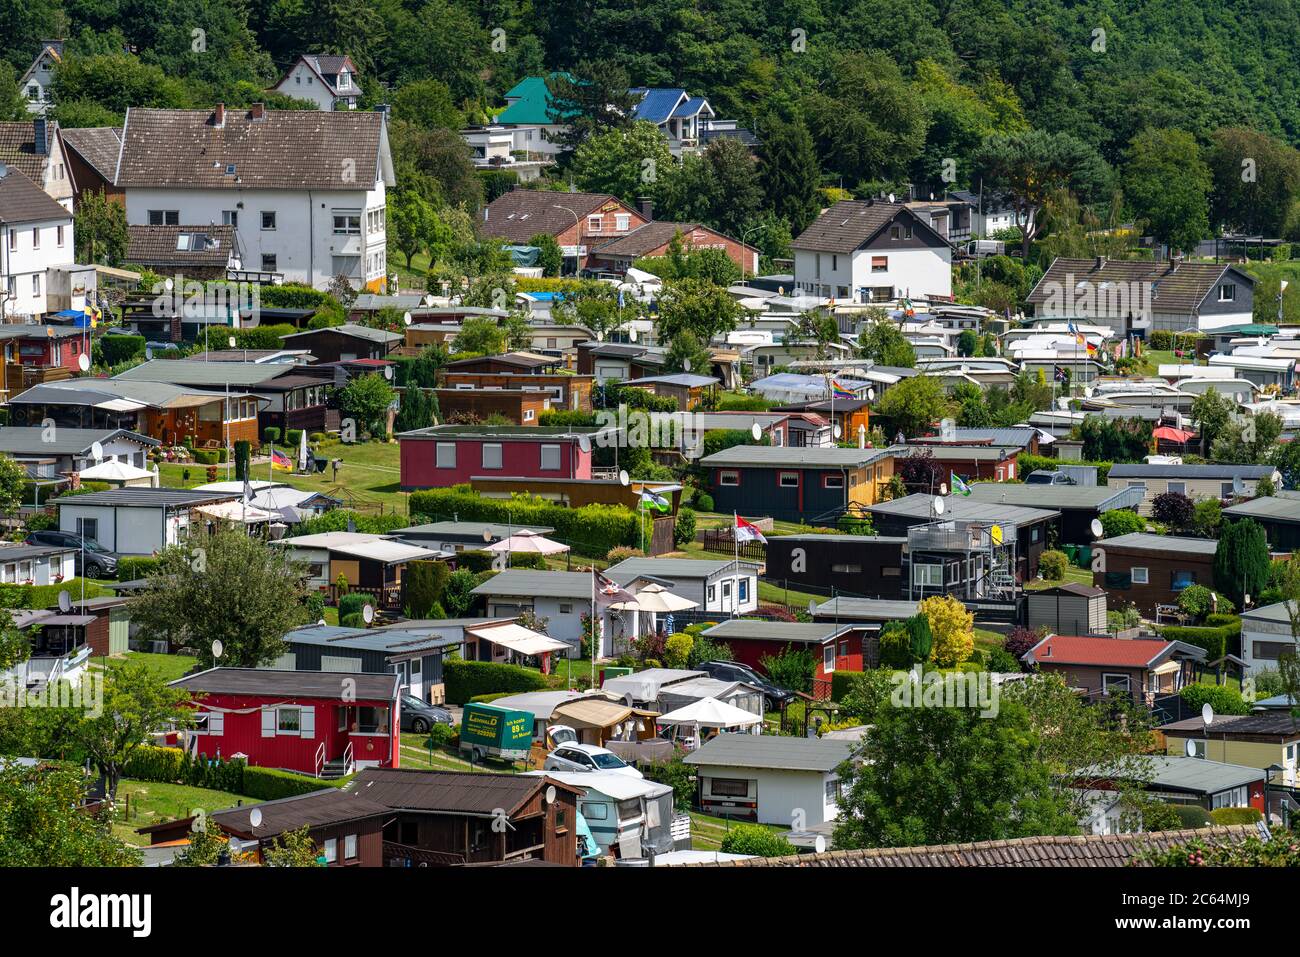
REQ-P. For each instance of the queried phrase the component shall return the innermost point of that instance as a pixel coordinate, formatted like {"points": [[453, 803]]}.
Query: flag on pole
{"points": [[839, 392], [957, 485], [1092, 349], [248, 491], [281, 461], [748, 532], [609, 592], [651, 500]]}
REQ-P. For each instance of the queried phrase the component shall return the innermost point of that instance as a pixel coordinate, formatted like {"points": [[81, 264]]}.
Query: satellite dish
{"points": [[756, 431], [217, 648], [819, 845], [255, 817], [1097, 528], [388, 372], [487, 535], [631, 335], [321, 623], [1207, 714], [550, 794], [83, 362], [938, 505], [97, 451], [1191, 748], [148, 352], [812, 606], [169, 284], [871, 395], [891, 197], [623, 478], [584, 444], [231, 341], [65, 601], [837, 431], [406, 319], [368, 613], [686, 365]]}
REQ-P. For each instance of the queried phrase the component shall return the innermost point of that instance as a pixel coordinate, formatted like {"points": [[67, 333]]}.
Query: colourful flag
{"points": [[657, 502], [609, 592], [748, 532], [1092, 349], [281, 461], [957, 484], [839, 392]]}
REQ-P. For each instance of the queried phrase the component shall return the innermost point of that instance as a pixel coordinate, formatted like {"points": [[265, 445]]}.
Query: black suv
{"points": [[736, 671], [100, 562]]}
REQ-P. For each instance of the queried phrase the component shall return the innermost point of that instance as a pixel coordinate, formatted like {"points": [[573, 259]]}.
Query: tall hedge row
{"points": [[470, 679], [174, 766], [591, 530]]}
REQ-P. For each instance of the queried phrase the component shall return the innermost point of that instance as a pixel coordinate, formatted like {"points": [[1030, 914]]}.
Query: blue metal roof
{"points": [[657, 106]]}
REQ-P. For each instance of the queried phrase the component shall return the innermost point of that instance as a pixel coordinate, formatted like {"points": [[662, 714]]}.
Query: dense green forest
{"points": [[1104, 111]]}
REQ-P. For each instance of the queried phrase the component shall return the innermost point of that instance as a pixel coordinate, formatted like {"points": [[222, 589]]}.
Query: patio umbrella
{"points": [[658, 599], [710, 713], [525, 540]]}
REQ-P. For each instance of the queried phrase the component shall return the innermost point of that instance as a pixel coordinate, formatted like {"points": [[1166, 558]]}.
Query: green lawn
{"points": [[141, 803], [168, 667], [985, 639], [708, 831], [1073, 575], [416, 755], [371, 471]]}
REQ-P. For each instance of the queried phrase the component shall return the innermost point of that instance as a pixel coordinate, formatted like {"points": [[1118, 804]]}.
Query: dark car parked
{"points": [[99, 561], [419, 716], [736, 671]]}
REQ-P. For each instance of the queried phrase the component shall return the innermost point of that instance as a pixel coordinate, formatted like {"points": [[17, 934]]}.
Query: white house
{"points": [[36, 245], [326, 80], [134, 521], [719, 585], [872, 251], [771, 779], [1266, 637], [304, 190], [37, 82], [512, 148], [562, 598]]}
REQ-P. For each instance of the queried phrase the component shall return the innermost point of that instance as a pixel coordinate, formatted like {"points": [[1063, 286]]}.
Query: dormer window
{"points": [[1227, 292], [345, 80]]}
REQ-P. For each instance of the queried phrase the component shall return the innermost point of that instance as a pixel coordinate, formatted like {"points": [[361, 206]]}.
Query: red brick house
{"points": [[314, 722], [579, 222]]}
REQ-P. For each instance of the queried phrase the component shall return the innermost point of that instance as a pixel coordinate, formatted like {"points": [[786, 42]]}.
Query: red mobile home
{"points": [[446, 455], [837, 647], [314, 722]]}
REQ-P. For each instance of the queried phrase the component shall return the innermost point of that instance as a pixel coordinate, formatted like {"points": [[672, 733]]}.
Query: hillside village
{"points": [[570, 475]]}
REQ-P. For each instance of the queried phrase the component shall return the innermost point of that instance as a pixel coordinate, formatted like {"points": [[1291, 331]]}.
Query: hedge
{"points": [[173, 766], [592, 530], [469, 679], [1235, 815], [268, 784], [1223, 699], [481, 561], [1026, 463], [131, 567], [117, 349], [1216, 641]]}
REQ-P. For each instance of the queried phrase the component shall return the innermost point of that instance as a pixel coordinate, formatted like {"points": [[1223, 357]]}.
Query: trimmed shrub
{"points": [[351, 604], [1120, 521], [1052, 565], [116, 349], [622, 553], [269, 784], [1223, 699], [271, 434], [703, 502], [1235, 815], [173, 766], [757, 840], [684, 530], [677, 649], [466, 679], [1216, 641], [130, 567], [1192, 815]]}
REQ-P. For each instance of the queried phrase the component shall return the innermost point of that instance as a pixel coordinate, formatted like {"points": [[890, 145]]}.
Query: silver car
{"points": [[587, 757]]}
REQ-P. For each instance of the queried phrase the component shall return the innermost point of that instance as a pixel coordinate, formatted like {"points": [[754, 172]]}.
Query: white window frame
{"points": [[1145, 578], [1111, 679], [440, 450], [923, 573]]}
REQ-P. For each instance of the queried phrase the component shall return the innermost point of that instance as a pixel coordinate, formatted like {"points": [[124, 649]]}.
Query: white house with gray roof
{"points": [[771, 779], [724, 586], [562, 598], [1197, 482]]}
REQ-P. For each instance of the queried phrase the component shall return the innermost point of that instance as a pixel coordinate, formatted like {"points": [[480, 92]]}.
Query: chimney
{"points": [[219, 115], [39, 135], [257, 111], [646, 206], [485, 214]]}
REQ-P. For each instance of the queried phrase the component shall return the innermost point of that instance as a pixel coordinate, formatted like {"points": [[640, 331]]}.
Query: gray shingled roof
{"points": [[22, 201], [851, 223], [157, 245], [1160, 543], [197, 372], [771, 751], [1268, 507], [97, 145], [286, 149], [314, 809], [961, 508], [1172, 290], [306, 684], [351, 329], [671, 568]]}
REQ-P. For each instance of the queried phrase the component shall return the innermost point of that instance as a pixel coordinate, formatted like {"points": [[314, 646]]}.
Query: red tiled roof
{"points": [[1088, 650]]}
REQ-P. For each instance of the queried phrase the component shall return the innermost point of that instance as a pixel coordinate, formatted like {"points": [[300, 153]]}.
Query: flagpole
{"points": [[595, 628], [735, 545]]}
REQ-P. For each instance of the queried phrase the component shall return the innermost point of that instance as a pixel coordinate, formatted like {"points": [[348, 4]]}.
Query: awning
{"points": [[517, 638], [236, 512], [1170, 434], [594, 713], [66, 620]]}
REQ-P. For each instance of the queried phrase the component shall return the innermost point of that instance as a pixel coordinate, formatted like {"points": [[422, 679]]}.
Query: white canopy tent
{"points": [[117, 472], [527, 541], [711, 713]]}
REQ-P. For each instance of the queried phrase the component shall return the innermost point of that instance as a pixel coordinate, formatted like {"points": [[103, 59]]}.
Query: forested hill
{"points": [[888, 90]]}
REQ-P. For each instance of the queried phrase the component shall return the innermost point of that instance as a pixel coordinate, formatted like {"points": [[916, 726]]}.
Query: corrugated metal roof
{"points": [[304, 684], [961, 508], [1160, 543], [527, 583], [34, 440], [779, 456]]}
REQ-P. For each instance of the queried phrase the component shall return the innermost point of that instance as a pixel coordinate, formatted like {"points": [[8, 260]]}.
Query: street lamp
{"points": [[745, 233], [578, 225]]}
